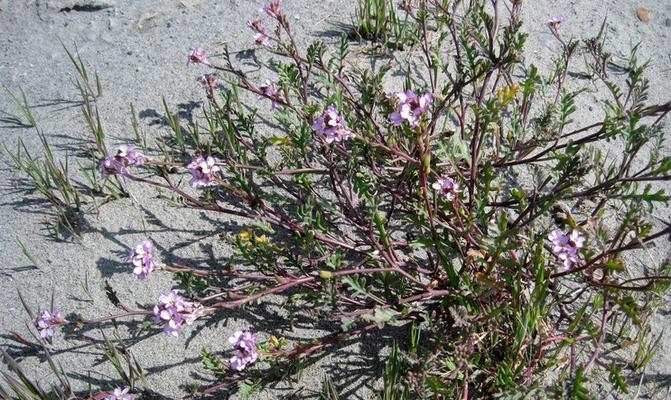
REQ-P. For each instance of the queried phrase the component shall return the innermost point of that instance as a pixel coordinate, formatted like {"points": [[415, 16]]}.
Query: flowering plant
{"points": [[463, 205]]}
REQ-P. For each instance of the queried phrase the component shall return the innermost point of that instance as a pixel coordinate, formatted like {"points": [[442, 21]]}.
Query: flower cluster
{"points": [[197, 56], [120, 394], [173, 311], [566, 247], [272, 8], [125, 156], [269, 90], [203, 172], [46, 323], [142, 258], [209, 82], [409, 107], [332, 126], [447, 187], [261, 37], [245, 349], [507, 94]]}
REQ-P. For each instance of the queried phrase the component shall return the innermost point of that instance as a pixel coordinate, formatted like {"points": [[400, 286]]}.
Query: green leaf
{"points": [[615, 265], [212, 363], [382, 316], [357, 284], [247, 388]]}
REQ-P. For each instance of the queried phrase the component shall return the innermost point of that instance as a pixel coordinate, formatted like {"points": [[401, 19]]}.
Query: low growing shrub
{"points": [[464, 204]]}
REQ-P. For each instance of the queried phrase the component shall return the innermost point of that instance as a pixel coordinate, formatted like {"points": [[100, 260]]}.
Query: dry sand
{"points": [[139, 49]]}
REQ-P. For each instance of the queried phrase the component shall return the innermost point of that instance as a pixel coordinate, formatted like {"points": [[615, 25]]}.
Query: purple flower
{"points": [[447, 187], [409, 107], [332, 126], [125, 156], [46, 323], [209, 82], [245, 349], [129, 154], [261, 37], [197, 56], [142, 258], [566, 247], [120, 394], [110, 166], [555, 22], [173, 311], [203, 172], [269, 90], [272, 8]]}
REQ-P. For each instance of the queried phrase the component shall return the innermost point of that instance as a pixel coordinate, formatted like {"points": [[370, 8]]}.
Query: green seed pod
{"points": [[426, 163]]}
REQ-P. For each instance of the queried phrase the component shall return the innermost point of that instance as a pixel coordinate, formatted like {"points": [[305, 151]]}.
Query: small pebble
{"points": [[644, 14], [668, 22]]}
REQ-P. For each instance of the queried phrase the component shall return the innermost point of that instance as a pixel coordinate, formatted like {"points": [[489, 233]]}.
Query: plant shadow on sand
{"points": [[359, 360]]}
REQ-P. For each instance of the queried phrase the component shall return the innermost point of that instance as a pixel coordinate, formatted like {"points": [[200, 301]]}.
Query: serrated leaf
{"points": [[212, 363], [355, 283]]}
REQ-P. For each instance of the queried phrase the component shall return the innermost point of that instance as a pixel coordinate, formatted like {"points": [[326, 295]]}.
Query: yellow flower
{"points": [[263, 239], [508, 94], [245, 236], [274, 342]]}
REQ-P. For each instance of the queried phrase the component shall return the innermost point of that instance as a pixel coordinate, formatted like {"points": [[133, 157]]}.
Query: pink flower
{"points": [[332, 126], [197, 56], [409, 107], [125, 156], [269, 90], [261, 37], [47, 321], [447, 187], [272, 8], [142, 258], [173, 311], [555, 22], [209, 82], [203, 172], [566, 247], [120, 394], [245, 349]]}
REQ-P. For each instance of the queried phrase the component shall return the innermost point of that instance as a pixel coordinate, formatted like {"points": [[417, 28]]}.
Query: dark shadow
{"points": [[63, 104], [13, 122], [184, 112], [334, 31], [356, 369]]}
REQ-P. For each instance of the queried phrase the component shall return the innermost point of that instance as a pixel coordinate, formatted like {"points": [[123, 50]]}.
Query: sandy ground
{"points": [[139, 49]]}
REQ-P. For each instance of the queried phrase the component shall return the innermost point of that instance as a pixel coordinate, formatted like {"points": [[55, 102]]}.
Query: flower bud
{"points": [[325, 274]]}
